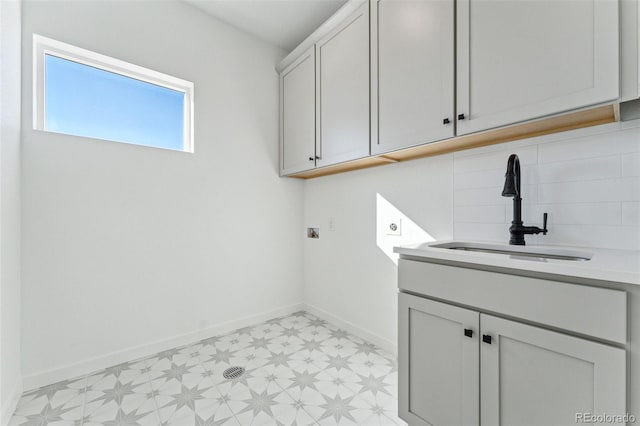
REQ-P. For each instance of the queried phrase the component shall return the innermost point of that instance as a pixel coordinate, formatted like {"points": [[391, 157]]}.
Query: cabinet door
{"points": [[438, 364], [412, 62], [298, 115], [532, 376], [343, 91], [519, 60]]}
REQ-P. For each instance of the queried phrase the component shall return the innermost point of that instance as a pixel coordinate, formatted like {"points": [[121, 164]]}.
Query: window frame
{"points": [[46, 46]]}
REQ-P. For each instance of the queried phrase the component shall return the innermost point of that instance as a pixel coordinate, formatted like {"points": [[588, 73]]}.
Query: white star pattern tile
{"points": [[299, 370]]}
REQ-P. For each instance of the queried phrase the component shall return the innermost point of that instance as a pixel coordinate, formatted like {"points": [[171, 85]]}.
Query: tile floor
{"points": [[300, 370]]}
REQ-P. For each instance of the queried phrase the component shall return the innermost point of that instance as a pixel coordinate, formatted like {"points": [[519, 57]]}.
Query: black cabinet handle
{"points": [[460, 116], [446, 121], [468, 332], [310, 158], [486, 338]]}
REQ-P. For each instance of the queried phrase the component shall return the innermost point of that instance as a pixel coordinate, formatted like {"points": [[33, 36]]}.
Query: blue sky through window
{"points": [[86, 101]]}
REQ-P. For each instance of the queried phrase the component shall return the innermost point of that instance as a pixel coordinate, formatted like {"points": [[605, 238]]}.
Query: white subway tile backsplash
{"points": [[574, 214], [477, 196], [608, 237], [631, 164], [491, 196], [631, 213], [478, 179], [495, 160], [480, 214], [630, 142], [587, 180], [491, 178], [584, 169], [621, 189], [618, 142], [481, 232]]}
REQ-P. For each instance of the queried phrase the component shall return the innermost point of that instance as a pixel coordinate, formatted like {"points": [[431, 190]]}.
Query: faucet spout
{"points": [[511, 188], [512, 177]]}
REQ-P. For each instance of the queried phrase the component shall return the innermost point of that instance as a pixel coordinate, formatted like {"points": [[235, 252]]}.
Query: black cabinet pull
{"points": [[468, 332], [460, 116], [310, 158], [486, 338], [446, 121]]}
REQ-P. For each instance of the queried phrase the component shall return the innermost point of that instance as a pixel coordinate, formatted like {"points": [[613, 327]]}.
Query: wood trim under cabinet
{"points": [[571, 121]]}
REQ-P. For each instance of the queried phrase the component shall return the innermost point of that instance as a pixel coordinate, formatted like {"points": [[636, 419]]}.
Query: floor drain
{"points": [[233, 372]]}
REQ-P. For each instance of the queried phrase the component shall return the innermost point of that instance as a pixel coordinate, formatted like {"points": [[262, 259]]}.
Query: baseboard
{"points": [[10, 403], [77, 369], [352, 328]]}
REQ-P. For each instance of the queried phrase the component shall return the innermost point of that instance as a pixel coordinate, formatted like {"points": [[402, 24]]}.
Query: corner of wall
{"points": [[354, 329], [9, 404], [11, 384]]}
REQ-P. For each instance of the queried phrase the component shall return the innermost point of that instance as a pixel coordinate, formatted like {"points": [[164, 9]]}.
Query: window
{"points": [[82, 93]]}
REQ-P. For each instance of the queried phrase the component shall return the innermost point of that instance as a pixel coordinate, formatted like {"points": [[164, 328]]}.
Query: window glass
{"points": [[88, 101]]}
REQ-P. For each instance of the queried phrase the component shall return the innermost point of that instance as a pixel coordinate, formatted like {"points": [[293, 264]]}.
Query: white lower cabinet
{"points": [[437, 364], [461, 367], [532, 376]]}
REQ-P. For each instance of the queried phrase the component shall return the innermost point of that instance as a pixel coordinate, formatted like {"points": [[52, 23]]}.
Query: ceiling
{"points": [[283, 23]]}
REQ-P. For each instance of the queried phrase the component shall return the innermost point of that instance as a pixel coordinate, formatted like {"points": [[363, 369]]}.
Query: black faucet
{"points": [[512, 189]]}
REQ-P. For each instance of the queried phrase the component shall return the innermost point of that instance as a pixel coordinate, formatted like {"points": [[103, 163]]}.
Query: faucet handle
{"points": [[544, 224]]}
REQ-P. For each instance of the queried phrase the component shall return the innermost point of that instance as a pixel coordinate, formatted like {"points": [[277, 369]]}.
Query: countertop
{"points": [[621, 266]]}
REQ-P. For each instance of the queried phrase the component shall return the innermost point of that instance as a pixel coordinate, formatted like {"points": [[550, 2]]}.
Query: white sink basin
{"points": [[524, 251]]}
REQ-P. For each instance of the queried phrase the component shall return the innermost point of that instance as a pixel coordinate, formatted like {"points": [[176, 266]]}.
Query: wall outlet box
{"points": [[394, 227]]}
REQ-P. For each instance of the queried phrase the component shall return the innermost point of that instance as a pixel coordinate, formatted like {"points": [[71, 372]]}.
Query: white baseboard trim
{"points": [[352, 328], [9, 404], [77, 369]]}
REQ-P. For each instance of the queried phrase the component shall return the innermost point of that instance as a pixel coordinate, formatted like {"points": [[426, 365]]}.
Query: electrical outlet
{"points": [[394, 226], [332, 224]]}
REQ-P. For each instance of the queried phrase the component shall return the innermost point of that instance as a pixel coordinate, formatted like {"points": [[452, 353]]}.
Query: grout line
{"points": [[153, 392], [576, 180], [315, 421], [84, 400], [621, 213]]}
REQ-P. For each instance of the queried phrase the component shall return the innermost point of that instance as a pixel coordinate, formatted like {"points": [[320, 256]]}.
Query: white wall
{"points": [[126, 245], [588, 181], [350, 275], [10, 377]]}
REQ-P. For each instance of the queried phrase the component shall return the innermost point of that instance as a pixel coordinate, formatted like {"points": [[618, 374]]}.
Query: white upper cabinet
{"points": [[519, 60], [342, 89], [298, 115], [412, 61]]}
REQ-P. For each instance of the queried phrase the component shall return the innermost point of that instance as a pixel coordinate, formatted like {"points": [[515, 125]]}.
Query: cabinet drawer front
{"points": [[587, 310], [563, 375]]}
